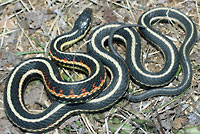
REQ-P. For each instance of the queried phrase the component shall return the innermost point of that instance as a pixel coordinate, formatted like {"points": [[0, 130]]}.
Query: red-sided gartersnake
{"points": [[45, 70]]}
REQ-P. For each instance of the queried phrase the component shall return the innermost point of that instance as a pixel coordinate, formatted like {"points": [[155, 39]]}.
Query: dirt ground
{"points": [[27, 28]]}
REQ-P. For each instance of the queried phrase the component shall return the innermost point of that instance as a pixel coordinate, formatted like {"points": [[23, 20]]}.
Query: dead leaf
{"points": [[33, 88], [159, 2], [9, 24], [18, 6], [24, 24], [193, 118], [178, 123], [108, 15], [36, 18], [166, 119], [126, 19], [195, 57], [138, 16], [118, 1], [11, 38], [166, 124]]}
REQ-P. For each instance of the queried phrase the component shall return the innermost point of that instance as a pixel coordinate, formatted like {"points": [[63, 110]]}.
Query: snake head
{"points": [[84, 20]]}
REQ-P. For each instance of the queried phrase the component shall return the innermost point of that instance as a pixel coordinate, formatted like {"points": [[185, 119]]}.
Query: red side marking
{"points": [[65, 60], [62, 96], [61, 93], [73, 96], [84, 94], [71, 92], [48, 85], [54, 57], [53, 89], [95, 88], [41, 129], [94, 85], [102, 81], [83, 90], [73, 61], [81, 62]]}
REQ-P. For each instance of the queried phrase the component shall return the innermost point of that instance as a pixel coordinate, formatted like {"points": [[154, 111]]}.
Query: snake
{"points": [[151, 81], [97, 64]]}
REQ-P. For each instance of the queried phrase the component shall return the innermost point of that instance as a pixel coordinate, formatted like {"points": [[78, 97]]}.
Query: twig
{"points": [[15, 14], [121, 16], [72, 3], [4, 30], [95, 2], [1, 101], [180, 3], [126, 121], [85, 43], [31, 4], [107, 118], [42, 93], [116, 132], [127, 1], [88, 124], [49, 2], [19, 40], [7, 2], [5, 24], [119, 4], [106, 125], [67, 72], [34, 47], [159, 127], [24, 5], [3, 79], [197, 9], [53, 24], [8, 32]]}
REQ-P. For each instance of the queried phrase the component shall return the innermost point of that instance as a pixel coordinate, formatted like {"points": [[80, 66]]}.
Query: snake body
{"points": [[90, 97], [57, 112], [147, 19]]}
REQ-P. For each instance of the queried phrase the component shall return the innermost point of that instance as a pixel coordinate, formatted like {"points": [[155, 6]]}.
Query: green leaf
{"points": [[37, 42], [66, 78], [32, 52], [126, 128], [197, 67], [190, 130], [178, 71]]}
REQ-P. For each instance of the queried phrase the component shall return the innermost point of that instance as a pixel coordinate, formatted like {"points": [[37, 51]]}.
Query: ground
{"points": [[27, 28]]}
